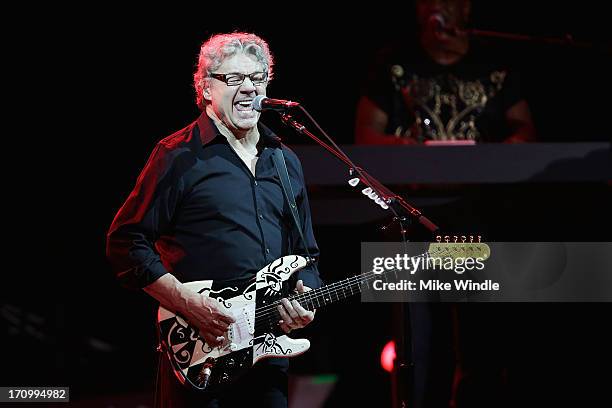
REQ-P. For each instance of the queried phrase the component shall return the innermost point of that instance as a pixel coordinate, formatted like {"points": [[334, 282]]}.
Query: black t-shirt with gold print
{"points": [[428, 101]]}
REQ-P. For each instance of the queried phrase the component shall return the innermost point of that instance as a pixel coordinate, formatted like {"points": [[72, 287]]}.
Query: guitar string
{"points": [[264, 314], [328, 291], [303, 298], [331, 289], [264, 321], [268, 318], [306, 298], [345, 282]]}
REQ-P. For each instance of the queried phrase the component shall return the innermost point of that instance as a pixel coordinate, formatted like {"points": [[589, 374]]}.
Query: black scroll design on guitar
{"points": [[183, 335], [249, 291], [270, 345], [279, 266], [215, 294], [295, 263], [272, 282], [272, 279], [206, 348]]}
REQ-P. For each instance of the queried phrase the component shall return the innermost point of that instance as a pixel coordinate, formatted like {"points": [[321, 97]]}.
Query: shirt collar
{"points": [[208, 131]]}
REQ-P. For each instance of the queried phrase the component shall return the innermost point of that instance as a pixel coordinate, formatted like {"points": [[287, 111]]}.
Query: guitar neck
{"points": [[340, 290], [334, 292], [354, 285]]}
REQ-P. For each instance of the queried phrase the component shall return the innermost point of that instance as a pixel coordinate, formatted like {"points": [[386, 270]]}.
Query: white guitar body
{"points": [[254, 336]]}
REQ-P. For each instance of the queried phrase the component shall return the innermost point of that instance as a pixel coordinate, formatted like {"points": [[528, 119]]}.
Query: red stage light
{"points": [[387, 357]]}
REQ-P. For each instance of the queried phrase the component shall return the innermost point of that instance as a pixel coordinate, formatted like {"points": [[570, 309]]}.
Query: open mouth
{"points": [[244, 106]]}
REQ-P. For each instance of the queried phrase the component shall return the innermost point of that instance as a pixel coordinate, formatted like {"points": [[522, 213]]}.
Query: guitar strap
{"points": [[283, 174]]}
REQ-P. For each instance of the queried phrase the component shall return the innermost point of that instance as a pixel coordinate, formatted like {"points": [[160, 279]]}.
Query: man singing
{"points": [[209, 205]]}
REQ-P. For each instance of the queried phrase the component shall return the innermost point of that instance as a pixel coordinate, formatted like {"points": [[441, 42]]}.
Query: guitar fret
{"points": [[344, 288]]}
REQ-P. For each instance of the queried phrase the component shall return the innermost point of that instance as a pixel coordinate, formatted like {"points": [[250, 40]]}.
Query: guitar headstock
{"points": [[457, 250]]}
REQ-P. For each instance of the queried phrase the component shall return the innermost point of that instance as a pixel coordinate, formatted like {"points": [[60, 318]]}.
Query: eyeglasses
{"points": [[237, 79]]}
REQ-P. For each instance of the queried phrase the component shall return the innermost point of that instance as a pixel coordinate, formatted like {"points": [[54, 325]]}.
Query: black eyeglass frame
{"points": [[240, 77]]}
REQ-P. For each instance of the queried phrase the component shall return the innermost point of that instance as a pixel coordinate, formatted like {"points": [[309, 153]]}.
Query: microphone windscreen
{"points": [[256, 104]]}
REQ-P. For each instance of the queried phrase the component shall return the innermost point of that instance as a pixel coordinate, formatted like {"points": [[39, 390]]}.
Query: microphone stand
{"points": [[384, 196], [401, 209]]}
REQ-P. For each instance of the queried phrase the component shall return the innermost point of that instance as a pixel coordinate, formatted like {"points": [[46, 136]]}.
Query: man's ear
{"points": [[206, 90]]}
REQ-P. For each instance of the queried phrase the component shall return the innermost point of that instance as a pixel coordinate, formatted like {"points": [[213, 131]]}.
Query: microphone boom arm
{"points": [[393, 201]]}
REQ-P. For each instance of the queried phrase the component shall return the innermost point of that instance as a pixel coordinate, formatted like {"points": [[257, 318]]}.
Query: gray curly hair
{"points": [[220, 46]]}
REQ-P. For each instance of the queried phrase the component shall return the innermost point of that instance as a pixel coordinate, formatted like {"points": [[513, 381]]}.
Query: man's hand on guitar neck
{"points": [[293, 315], [200, 310]]}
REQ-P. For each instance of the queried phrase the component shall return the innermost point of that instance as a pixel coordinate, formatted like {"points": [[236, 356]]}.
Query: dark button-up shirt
{"points": [[198, 212]]}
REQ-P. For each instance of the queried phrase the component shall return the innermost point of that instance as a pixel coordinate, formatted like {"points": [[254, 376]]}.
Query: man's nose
{"points": [[247, 86]]}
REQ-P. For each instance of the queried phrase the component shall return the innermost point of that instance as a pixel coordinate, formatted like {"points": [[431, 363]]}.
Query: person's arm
{"points": [[146, 215], [199, 310], [370, 125], [130, 242], [518, 118]]}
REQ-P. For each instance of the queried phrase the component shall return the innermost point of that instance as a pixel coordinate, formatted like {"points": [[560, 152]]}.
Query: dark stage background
{"points": [[98, 87]]}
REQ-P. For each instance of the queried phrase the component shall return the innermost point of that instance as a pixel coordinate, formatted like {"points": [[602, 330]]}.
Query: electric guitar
{"points": [[256, 334]]}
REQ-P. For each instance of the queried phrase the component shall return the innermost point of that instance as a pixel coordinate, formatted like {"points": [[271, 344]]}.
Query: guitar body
{"points": [[254, 336]]}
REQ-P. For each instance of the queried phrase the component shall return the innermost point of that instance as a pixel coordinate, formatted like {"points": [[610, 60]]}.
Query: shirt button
{"points": [[260, 217], [256, 183], [267, 250]]}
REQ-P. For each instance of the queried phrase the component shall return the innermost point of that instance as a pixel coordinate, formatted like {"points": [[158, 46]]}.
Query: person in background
{"points": [[444, 88]]}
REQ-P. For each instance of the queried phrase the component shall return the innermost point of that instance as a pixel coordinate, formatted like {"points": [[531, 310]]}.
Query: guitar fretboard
{"points": [[343, 289]]}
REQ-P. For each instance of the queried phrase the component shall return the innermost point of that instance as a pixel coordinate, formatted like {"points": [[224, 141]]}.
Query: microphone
{"points": [[262, 103], [439, 25]]}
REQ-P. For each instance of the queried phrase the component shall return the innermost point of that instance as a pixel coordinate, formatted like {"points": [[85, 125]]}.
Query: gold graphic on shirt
{"points": [[449, 97]]}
